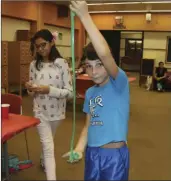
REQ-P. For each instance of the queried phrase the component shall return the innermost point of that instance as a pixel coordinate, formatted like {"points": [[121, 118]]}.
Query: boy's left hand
{"points": [[80, 8], [42, 89], [79, 155]]}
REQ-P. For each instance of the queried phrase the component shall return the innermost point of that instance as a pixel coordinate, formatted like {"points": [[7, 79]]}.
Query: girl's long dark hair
{"points": [[47, 36]]}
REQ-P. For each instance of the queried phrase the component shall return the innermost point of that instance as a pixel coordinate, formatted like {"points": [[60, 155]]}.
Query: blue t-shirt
{"points": [[108, 106]]}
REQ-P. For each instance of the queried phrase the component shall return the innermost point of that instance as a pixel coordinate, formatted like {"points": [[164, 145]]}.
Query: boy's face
{"points": [[96, 71]]}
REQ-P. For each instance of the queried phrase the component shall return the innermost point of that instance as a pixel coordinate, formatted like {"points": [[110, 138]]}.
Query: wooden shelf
{"points": [[19, 61], [4, 65]]}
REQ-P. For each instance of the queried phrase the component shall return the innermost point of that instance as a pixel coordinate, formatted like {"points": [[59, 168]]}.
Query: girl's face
{"points": [[43, 47]]}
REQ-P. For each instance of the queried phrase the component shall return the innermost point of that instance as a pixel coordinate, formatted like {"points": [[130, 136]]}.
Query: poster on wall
{"points": [[60, 36], [168, 50], [119, 23]]}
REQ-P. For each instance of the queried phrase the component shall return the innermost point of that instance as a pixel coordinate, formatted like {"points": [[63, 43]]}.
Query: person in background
{"points": [[160, 76], [50, 85]]}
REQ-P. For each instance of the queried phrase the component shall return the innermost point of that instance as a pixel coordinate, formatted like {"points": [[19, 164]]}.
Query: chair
{"points": [[15, 102], [130, 64], [147, 69]]}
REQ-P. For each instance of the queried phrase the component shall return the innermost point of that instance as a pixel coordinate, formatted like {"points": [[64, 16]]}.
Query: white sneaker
{"points": [[42, 165]]}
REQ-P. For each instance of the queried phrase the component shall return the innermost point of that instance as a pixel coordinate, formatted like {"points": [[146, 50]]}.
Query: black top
{"points": [[161, 71]]}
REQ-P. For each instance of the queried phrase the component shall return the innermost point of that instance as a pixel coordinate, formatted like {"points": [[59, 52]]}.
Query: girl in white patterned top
{"points": [[50, 84]]}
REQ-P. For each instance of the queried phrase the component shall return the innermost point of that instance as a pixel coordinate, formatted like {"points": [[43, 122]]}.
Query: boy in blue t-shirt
{"points": [[107, 108]]}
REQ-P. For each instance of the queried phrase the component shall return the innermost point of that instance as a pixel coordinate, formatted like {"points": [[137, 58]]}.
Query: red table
{"points": [[12, 126], [16, 124], [132, 79], [83, 82], [86, 77], [83, 77]]}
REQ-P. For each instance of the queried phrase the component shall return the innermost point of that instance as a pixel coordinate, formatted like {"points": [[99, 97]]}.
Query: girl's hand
{"points": [[28, 86], [42, 89], [80, 8]]}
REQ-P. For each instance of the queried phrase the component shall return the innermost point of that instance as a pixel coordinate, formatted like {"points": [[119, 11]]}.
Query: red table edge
{"points": [[4, 138]]}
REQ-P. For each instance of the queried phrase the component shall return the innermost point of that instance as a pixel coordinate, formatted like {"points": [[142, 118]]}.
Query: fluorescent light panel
{"points": [[99, 4], [156, 2], [138, 2], [132, 11]]}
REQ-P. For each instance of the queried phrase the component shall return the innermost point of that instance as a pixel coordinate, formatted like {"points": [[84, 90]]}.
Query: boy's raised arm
{"points": [[97, 39]]}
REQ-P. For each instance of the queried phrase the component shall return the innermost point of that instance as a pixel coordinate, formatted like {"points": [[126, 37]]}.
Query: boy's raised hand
{"points": [[80, 8]]}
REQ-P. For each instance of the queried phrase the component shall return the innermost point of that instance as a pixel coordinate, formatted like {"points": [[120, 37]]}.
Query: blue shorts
{"points": [[106, 163]]}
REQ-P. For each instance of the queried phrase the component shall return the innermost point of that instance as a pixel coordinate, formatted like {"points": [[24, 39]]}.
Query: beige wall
{"points": [[154, 42], [134, 21], [155, 46], [44, 12], [10, 26]]}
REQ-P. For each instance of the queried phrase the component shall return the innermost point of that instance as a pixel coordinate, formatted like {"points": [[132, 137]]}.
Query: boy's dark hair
{"points": [[89, 52], [47, 36]]}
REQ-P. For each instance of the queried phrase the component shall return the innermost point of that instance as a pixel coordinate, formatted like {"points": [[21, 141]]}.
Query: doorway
{"points": [[134, 50], [113, 39], [131, 50]]}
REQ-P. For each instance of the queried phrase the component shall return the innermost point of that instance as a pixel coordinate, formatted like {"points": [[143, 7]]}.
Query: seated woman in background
{"points": [[159, 76]]}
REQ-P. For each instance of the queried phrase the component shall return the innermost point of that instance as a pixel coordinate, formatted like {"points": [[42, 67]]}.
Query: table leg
{"points": [[5, 150], [28, 155]]}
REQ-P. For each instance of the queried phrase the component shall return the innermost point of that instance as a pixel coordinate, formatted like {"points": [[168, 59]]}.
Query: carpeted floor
{"points": [[149, 140]]}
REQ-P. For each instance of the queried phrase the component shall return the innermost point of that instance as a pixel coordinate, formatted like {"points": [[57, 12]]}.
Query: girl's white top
{"points": [[55, 74]]}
